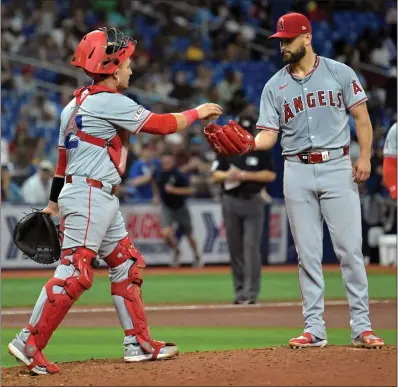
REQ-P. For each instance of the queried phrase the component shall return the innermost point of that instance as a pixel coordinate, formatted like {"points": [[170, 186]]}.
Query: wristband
{"points": [[191, 116], [56, 187]]}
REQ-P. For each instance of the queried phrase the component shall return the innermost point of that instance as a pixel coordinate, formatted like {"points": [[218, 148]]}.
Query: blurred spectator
{"points": [[21, 151], [6, 75], [4, 152], [181, 90], [381, 55], [345, 53], [10, 192], [14, 36], [227, 87], [36, 189], [198, 169], [317, 10], [25, 83], [194, 52], [220, 31], [140, 174], [175, 144], [79, 27], [46, 17], [163, 86], [171, 188], [41, 112], [204, 79]]}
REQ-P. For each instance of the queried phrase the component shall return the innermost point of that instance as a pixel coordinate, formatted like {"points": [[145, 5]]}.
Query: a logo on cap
{"points": [[303, 28], [281, 24]]}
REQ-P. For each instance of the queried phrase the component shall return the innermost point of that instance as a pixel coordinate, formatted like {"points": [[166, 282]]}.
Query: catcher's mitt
{"points": [[37, 236], [229, 139]]}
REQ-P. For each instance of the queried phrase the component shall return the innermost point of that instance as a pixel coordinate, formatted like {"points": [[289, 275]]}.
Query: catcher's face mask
{"points": [[102, 51]]}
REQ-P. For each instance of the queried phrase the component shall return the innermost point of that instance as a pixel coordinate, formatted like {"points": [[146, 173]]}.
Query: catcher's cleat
{"points": [[135, 353], [368, 339], [307, 340], [35, 362]]}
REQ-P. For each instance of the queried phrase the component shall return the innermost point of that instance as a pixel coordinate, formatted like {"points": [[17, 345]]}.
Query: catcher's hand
{"points": [[37, 236], [209, 111], [229, 139]]}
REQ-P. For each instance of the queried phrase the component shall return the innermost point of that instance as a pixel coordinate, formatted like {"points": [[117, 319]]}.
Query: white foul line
{"points": [[197, 307]]}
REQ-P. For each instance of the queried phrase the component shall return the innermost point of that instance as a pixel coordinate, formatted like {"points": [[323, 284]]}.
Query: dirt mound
{"points": [[331, 366]]}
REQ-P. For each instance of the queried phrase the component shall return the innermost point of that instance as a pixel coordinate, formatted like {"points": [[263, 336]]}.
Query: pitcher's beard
{"points": [[294, 57]]}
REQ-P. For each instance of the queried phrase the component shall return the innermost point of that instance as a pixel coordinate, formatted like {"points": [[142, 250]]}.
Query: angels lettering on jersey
{"points": [[314, 100]]}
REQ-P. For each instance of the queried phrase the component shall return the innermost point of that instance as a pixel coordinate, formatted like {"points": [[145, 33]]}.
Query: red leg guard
{"points": [[57, 305], [130, 290]]}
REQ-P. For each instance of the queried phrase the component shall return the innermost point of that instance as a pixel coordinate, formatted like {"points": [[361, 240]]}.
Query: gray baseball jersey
{"points": [[390, 146], [311, 112], [99, 115]]}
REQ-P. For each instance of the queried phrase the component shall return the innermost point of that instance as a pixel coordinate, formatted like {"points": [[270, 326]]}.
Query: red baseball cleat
{"points": [[306, 340], [368, 339]]}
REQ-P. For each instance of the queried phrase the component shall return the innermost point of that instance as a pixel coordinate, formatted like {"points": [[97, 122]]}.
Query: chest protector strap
{"points": [[116, 149]]}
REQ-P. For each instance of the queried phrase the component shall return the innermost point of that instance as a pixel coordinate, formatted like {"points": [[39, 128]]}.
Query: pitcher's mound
{"points": [[330, 366]]}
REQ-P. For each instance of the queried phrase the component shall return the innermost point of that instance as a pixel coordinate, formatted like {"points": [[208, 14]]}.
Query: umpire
{"points": [[242, 178]]}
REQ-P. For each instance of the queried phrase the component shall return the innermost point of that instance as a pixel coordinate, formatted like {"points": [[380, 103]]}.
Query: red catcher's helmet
{"points": [[103, 50]]}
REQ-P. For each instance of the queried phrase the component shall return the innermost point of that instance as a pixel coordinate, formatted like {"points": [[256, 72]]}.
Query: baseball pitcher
{"points": [[94, 134], [309, 101]]}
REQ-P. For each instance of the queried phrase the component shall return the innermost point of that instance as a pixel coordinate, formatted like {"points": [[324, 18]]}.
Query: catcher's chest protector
{"points": [[117, 147]]}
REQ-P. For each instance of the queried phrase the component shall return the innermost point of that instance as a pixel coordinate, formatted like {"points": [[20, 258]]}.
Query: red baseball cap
{"points": [[292, 25]]}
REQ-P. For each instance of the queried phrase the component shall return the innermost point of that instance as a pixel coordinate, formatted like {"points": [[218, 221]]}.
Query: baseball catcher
{"points": [[94, 134]]}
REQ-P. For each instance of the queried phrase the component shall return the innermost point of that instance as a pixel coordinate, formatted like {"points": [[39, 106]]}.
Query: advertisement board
{"points": [[143, 225]]}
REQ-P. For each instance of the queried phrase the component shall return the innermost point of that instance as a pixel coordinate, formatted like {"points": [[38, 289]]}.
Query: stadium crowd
{"points": [[206, 51]]}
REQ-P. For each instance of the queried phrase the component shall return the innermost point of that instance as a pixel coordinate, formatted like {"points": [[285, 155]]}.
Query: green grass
{"points": [[196, 288], [71, 344]]}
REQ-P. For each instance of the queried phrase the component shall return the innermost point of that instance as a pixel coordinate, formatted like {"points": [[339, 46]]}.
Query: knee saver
{"points": [[56, 305]]}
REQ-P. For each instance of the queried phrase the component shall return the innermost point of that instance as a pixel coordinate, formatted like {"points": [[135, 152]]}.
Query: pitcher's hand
{"points": [[361, 170]]}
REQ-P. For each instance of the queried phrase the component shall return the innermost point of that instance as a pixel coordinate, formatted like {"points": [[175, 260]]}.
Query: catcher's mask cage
{"points": [[103, 50]]}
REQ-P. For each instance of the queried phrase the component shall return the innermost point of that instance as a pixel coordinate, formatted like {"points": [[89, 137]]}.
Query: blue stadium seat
{"points": [[181, 44], [46, 75]]}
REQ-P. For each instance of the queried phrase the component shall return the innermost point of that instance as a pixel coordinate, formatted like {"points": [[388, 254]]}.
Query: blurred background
{"points": [[187, 54]]}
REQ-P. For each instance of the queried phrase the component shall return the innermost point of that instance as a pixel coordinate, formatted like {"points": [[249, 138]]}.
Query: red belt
{"points": [[318, 157], [92, 183]]}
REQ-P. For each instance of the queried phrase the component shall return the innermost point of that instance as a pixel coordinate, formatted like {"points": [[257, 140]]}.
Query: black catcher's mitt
{"points": [[37, 236]]}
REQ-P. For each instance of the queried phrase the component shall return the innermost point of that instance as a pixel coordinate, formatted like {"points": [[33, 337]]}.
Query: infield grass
{"points": [[197, 288]]}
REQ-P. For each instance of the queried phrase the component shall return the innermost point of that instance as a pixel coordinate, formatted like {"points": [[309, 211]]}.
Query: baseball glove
{"points": [[37, 236], [229, 139]]}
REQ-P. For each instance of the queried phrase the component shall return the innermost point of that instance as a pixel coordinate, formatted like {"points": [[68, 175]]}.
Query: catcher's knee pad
{"points": [[129, 288], [57, 305]]}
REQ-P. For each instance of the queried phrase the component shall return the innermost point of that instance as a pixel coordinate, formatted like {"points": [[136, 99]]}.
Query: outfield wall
{"points": [[143, 225]]}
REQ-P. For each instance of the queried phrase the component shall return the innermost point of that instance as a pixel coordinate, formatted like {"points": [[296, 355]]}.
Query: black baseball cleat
{"points": [[241, 301]]}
